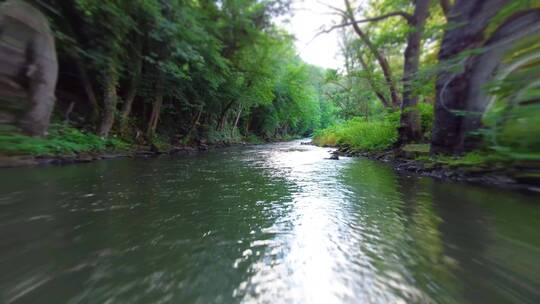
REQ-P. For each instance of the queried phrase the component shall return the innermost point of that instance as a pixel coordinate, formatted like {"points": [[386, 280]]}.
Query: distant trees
{"points": [[410, 128], [179, 68]]}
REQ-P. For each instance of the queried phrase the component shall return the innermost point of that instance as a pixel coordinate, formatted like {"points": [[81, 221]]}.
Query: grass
{"points": [[61, 140], [417, 148], [253, 139], [374, 134], [476, 159], [361, 134]]}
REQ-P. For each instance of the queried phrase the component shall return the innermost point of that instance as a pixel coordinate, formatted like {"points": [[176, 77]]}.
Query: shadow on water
{"points": [[133, 231], [266, 224], [446, 242]]}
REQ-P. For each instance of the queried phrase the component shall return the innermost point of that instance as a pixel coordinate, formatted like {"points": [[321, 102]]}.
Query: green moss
{"points": [[417, 148], [472, 160]]}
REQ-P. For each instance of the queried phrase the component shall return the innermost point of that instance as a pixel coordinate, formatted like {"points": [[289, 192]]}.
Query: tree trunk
{"points": [[445, 6], [486, 67], [90, 94], [380, 58], [70, 16], [248, 123], [452, 87], [132, 93], [410, 129], [223, 116], [110, 99], [195, 121], [68, 112], [237, 117], [156, 106]]}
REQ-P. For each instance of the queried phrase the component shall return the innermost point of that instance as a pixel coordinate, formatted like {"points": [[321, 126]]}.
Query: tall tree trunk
{"points": [[156, 106], [223, 115], [471, 18], [68, 23], [238, 113], [410, 129], [88, 89], [446, 6], [110, 99], [378, 55], [132, 93], [195, 122], [248, 123]]}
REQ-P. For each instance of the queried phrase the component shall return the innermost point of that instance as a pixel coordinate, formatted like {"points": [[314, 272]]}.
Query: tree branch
{"points": [[407, 17], [446, 6], [338, 10]]}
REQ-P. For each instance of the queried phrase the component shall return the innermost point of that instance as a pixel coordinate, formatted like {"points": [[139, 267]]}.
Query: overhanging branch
{"points": [[407, 17]]}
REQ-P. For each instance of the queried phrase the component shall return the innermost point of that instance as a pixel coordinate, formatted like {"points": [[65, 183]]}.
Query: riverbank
{"points": [[65, 144], [512, 175], [146, 151]]}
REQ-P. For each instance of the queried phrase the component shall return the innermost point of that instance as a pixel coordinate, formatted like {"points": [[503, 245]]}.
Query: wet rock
{"points": [[203, 147], [86, 157], [16, 161], [334, 155], [183, 150], [154, 149]]}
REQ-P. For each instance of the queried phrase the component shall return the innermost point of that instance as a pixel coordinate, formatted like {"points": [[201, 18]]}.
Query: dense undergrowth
{"points": [[514, 142], [61, 140], [376, 133]]}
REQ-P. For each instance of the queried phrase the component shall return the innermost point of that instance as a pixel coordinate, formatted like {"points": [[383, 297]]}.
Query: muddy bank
{"points": [[87, 157]]}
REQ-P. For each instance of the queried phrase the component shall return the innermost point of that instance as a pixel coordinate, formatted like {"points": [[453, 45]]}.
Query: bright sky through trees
{"points": [[309, 16]]}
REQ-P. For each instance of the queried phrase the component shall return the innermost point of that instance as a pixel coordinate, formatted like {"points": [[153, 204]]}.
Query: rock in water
{"points": [[28, 68], [334, 155]]}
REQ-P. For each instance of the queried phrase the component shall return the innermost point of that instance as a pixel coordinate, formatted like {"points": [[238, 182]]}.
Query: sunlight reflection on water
{"points": [[276, 223]]}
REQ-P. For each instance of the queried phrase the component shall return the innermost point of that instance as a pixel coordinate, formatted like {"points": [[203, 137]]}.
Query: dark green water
{"points": [[268, 224]]}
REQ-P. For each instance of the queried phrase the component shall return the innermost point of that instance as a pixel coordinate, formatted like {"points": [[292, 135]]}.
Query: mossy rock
{"points": [[414, 150], [417, 148]]}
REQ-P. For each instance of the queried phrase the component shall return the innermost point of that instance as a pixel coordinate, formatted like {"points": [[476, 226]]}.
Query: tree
{"points": [[469, 60], [349, 14], [410, 129]]}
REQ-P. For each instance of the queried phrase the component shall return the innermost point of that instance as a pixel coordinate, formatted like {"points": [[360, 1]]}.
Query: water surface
{"points": [[274, 223]]}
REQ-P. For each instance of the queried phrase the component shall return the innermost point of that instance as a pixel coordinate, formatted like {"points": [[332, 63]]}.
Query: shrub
{"points": [[378, 133], [227, 135]]}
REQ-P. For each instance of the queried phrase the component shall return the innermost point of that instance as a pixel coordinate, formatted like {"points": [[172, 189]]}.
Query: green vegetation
{"points": [[172, 73], [61, 140], [167, 73], [493, 121], [379, 133], [376, 133]]}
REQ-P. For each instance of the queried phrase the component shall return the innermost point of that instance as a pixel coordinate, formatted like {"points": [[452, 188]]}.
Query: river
{"points": [[275, 223]]}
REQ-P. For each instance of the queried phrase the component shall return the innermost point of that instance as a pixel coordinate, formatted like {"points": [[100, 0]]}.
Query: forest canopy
{"points": [[180, 72]]}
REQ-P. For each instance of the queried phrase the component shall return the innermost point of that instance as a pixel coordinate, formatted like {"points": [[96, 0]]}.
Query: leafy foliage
{"points": [[61, 140], [180, 72]]}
